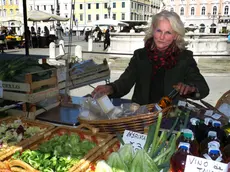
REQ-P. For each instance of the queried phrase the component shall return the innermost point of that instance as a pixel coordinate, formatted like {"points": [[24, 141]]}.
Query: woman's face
{"points": [[163, 34]]}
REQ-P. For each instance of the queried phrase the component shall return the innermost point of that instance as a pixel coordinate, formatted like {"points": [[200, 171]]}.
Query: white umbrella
{"points": [[109, 22], [35, 15]]}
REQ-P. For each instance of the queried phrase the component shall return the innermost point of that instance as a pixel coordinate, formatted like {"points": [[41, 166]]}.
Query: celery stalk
{"points": [[150, 136], [156, 134]]}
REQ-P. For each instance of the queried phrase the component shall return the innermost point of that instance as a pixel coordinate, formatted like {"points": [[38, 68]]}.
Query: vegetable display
{"points": [[57, 154], [13, 133], [158, 149]]}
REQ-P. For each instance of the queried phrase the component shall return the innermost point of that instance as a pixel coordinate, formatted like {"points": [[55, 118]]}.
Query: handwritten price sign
{"points": [[196, 164], [136, 139]]}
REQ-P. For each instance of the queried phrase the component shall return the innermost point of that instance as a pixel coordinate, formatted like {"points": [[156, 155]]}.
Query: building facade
{"points": [[84, 11], [87, 11], [206, 15]]}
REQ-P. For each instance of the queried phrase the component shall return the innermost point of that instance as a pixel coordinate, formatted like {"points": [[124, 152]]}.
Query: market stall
{"points": [[88, 136]]}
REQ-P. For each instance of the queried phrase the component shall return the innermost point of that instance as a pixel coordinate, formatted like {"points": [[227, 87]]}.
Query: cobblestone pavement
{"points": [[215, 71]]}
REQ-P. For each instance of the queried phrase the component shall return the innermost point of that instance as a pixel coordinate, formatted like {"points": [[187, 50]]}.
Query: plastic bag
{"points": [[225, 109], [90, 110]]}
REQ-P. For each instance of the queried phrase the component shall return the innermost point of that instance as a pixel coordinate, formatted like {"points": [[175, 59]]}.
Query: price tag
{"points": [[1, 90], [181, 103], [136, 139], [158, 107], [208, 113], [196, 164], [216, 116]]}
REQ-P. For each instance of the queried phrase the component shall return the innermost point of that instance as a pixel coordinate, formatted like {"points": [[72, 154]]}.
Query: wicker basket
{"points": [[90, 134], [135, 123], [225, 98], [8, 151]]}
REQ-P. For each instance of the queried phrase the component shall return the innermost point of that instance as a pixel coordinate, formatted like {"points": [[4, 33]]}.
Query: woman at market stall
{"points": [[163, 64]]}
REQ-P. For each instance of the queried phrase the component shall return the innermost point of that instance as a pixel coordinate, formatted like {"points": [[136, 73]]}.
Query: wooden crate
{"points": [[90, 75], [26, 91], [102, 154], [26, 142], [90, 134]]}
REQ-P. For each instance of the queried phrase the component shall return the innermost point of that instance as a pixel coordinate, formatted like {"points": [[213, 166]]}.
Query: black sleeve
{"points": [[193, 77], [123, 85]]}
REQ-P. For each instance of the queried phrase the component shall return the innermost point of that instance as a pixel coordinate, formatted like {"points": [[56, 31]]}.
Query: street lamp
{"points": [[109, 10], [58, 25]]}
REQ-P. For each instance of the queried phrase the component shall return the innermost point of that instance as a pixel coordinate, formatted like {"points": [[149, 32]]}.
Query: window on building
{"points": [[11, 2], [114, 16], [11, 11], [192, 11], [4, 2], [105, 16], [97, 16], [66, 7], [81, 17], [66, 15], [182, 11], [97, 5], [171, 9], [16, 2], [123, 4], [105, 5], [214, 10], [203, 11], [17, 10], [44, 7], [114, 5], [123, 16], [89, 17], [132, 5], [172, 0], [38, 7], [226, 10], [81, 6], [89, 6], [31, 7]]}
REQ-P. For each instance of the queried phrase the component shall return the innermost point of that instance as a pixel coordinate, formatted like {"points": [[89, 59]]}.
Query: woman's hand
{"points": [[103, 89], [184, 89]]}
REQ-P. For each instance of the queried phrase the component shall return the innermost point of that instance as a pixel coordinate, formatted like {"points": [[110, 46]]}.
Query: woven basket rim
{"points": [[124, 119]]}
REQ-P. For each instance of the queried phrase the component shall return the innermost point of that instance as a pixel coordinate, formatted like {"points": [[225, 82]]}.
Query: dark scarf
{"points": [[166, 59]]}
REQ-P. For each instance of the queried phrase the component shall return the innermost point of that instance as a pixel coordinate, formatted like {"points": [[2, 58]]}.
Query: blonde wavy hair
{"points": [[176, 24]]}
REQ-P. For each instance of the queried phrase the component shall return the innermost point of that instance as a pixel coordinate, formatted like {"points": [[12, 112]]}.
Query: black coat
{"points": [[139, 73]]}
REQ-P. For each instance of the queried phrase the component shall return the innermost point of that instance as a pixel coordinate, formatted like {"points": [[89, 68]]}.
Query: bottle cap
{"points": [[207, 120], [184, 145], [214, 144], [214, 152], [194, 121], [187, 133], [216, 123], [212, 134]]}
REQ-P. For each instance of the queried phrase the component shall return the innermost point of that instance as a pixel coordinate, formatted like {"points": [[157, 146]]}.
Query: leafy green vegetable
{"points": [[57, 154], [116, 163], [127, 154], [143, 162]]}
